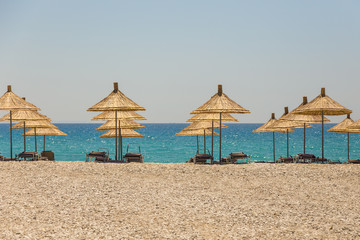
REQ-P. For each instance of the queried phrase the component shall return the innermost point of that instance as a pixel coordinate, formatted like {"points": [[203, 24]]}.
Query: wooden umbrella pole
{"points": [[24, 138], [212, 138], [304, 137], [220, 142], [35, 140], [274, 145], [44, 143], [322, 134], [116, 145], [204, 143], [197, 144], [120, 143], [287, 142], [11, 152], [348, 138]]}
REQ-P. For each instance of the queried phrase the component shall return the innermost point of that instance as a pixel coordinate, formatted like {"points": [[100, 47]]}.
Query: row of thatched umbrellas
{"points": [[28, 116], [210, 115], [312, 112], [119, 113]]}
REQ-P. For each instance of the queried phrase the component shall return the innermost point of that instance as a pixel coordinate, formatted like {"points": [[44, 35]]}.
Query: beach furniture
{"points": [[286, 159], [50, 155], [98, 156], [32, 156], [305, 158], [134, 156], [354, 161], [201, 158], [234, 157]]}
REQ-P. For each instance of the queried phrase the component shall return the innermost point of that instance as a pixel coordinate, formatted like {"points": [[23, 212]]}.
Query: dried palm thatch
{"points": [[342, 127], [22, 115], [355, 126], [34, 124], [225, 117], [203, 125], [266, 127], [303, 118], [125, 133], [125, 124], [116, 101], [45, 132], [283, 123], [323, 105], [196, 132], [11, 102], [220, 103], [110, 115]]}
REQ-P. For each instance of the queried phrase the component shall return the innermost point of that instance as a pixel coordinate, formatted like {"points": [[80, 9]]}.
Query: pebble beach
{"points": [[77, 200]]}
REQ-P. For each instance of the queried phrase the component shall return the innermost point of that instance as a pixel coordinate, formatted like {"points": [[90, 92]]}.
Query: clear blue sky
{"points": [[169, 56]]}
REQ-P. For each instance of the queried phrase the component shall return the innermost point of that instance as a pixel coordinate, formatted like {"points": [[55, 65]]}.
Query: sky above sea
{"points": [[169, 56]]}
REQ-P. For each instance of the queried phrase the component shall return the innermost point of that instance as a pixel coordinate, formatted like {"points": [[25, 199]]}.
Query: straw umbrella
{"points": [[266, 128], [122, 115], [220, 103], [116, 101], [196, 133], [125, 124], [287, 124], [343, 127], [23, 115], [323, 105], [204, 125], [125, 133], [35, 124], [303, 118], [44, 132], [11, 102], [226, 117]]}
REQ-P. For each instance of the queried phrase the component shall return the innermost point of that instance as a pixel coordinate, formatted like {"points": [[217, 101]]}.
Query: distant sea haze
{"points": [[160, 144]]}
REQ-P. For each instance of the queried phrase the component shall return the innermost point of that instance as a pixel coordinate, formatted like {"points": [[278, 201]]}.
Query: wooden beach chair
{"points": [[201, 158], [134, 156], [354, 161], [286, 159], [234, 157], [98, 156], [305, 158], [32, 156]]}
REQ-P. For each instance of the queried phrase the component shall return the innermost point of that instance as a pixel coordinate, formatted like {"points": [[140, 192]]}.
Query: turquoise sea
{"points": [[161, 145]]}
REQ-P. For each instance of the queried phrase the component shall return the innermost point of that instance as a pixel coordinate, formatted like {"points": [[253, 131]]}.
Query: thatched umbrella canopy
{"points": [[45, 132], [35, 124], [220, 103], [303, 118], [287, 124], [11, 102], [125, 124], [116, 101], [212, 117], [22, 115], [323, 105], [125, 133], [110, 115], [343, 127], [266, 128]]}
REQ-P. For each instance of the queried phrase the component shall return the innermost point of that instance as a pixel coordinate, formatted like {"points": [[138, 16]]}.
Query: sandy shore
{"points": [[77, 200]]}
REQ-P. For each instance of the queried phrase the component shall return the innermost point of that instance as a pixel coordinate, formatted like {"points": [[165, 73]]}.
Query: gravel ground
{"points": [[78, 200]]}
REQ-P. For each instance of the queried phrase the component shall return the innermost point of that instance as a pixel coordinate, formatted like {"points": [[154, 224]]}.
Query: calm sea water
{"points": [[161, 145]]}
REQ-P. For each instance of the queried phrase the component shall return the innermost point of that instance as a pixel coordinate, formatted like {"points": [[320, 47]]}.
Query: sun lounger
{"points": [[97, 156], [285, 159], [32, 156], [305, 158], [48, 155], [201, 158], [234, 157], [354, 161], [134, 156]]}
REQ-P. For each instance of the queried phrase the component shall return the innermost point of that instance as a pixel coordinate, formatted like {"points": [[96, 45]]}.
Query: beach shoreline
{"points": [[78, 200]]}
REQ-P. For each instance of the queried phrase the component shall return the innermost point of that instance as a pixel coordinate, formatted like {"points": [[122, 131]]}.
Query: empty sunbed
{"points": [[201, 158], [286, 159], [354, 161], [32, 156], [134, 156], [234, 157], [98, 156]]}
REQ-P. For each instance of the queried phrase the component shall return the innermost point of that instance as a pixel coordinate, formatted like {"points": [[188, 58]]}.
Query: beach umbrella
{"points": [[35, 124], [122, 115], [323, 105], [45, 132], [116, 101], [343, 127], [125, 133], [287, 124], [226, 117], [196, 133], [220, 103], [266, 128], [303, 118], [125, 124], [11, 102], [22, 115]]}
